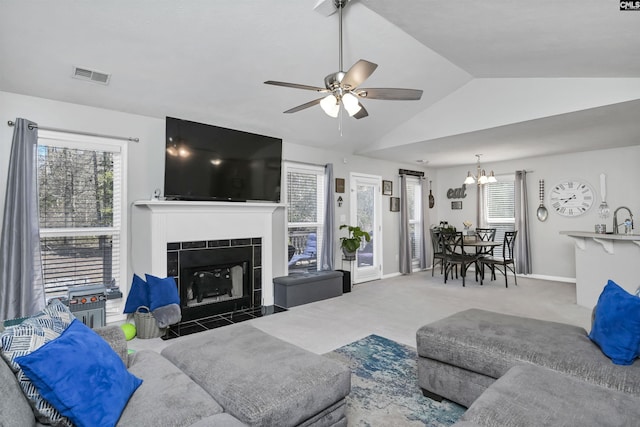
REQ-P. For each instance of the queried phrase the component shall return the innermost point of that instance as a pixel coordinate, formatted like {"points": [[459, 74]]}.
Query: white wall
{"points": [[553, 255]]}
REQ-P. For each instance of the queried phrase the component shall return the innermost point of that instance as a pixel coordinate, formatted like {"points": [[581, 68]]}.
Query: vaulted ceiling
{"points": [[509, 79]]}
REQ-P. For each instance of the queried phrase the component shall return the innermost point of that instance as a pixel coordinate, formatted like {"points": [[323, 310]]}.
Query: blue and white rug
{"points": [[384, 387]]}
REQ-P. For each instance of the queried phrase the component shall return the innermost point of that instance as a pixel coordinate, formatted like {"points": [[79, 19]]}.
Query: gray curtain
{"points": [[327, 257], [522, 249], [405, 240], [425, 241], [21, 284]]}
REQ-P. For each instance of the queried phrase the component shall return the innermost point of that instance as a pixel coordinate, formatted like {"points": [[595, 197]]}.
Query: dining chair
{"points": [[438, 254], [484, 235], [454, 255], [506, 261]]}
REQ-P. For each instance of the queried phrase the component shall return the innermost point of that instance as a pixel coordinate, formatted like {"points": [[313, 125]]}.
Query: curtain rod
{"points": [[124, 138], [304, 163], [410, 172]]}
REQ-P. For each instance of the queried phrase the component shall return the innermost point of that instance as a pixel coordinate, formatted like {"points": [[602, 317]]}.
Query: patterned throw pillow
{"points": [[28, 336]]}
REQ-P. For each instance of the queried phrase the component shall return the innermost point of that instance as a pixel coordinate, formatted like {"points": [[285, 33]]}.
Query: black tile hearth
{"points": [[219, 320], [215, 322]]}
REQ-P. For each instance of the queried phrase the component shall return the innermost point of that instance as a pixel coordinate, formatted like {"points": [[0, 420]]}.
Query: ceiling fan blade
{"points": [[362, 113], [358, 73], [304, 106], [390, 94], [296, 86]]}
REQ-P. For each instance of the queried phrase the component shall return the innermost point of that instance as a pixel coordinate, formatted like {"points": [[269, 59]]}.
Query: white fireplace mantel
{"points": [[158, 222]]}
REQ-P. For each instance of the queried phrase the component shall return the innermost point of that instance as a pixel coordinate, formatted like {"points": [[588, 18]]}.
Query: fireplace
{"points": [[161, 229], [216, 276]]}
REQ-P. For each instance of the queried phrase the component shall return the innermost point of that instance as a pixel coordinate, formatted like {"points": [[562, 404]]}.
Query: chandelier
{"points": [[481, 176]]}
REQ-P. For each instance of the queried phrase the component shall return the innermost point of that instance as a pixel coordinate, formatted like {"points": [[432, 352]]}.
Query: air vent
{"points": [[91, 75]]}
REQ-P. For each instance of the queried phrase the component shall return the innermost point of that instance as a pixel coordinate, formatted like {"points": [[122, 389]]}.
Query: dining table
{"points": [[478, 245], [471, 245]]}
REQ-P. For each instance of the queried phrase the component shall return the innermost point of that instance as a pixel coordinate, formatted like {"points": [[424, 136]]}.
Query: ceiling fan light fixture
{"points": [[343, 87], [351, 103], [330, 105]]}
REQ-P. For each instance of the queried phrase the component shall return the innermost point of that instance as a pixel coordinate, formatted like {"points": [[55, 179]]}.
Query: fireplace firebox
{"points": [[216, 277]]}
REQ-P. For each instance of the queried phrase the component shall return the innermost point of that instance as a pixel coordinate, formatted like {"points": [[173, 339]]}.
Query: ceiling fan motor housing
{"points": [[333, 80]]}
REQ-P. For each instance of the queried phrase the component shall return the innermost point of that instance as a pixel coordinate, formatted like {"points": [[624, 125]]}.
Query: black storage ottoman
{"points": [[299, 289]]}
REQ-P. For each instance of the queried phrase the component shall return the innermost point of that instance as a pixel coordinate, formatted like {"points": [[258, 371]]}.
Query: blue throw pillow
{"points": [[138, 295], [616, 328], [162, 291], [81, 376]]}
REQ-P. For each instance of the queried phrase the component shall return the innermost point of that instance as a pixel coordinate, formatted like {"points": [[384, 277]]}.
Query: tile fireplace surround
{"points": [[157, 222]]}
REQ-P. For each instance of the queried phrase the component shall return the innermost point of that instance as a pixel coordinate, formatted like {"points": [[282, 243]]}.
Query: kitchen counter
{"points": [[605, 239], [600, 257]]}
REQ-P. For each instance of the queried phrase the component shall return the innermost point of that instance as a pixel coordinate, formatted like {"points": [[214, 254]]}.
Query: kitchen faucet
{"points": [[615, 218]]}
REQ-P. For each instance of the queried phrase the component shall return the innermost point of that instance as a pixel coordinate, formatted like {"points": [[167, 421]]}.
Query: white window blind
{"points": [[414, 206], [80, 191], [305, 211], [500, 203]]}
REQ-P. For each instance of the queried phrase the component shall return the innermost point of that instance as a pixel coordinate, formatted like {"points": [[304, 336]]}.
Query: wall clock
{"points": [[571, 197]]}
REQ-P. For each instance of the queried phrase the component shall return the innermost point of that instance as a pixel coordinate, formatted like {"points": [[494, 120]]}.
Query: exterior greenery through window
{"points": [[305, 203], [79, 196], [500, 212]]}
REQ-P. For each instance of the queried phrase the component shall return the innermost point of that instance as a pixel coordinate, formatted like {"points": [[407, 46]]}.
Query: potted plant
{"points": [[352, 242]]}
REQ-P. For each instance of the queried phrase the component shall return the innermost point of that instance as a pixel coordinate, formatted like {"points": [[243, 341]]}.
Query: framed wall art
{"points": [[387, 188], [394, 204]]}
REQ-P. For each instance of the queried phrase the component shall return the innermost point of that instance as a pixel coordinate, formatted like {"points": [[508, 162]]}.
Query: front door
{"points": [[366, 201]]}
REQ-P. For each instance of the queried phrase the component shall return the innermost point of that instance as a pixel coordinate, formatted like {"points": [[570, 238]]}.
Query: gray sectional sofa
{"points": [[228, 377], [516, 371]]}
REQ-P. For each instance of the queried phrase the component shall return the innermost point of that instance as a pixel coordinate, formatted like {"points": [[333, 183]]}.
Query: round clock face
{"points": [[571, 197]]}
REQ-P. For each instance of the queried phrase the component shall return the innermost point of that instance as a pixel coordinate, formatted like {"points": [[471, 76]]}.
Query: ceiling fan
{"points": [[343, 88]]}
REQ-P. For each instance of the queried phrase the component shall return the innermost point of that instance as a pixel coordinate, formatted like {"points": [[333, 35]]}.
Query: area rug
{"points": [[384, 387]]}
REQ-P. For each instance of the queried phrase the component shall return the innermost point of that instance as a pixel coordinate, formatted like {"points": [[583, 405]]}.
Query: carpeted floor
{"points": [[384, 387]]}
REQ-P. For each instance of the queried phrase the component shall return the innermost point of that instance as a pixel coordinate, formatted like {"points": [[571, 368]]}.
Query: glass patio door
{"points": [[366, 201]]}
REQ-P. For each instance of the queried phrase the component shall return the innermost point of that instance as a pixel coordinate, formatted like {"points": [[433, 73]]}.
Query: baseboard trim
{"points": [[539, 277], [551, 278], [390, 275]]}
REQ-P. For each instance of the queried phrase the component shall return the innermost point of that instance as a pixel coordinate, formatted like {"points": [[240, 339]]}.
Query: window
{"points": [[500, 212], [305, 203], [414, 206], [80, 185]]}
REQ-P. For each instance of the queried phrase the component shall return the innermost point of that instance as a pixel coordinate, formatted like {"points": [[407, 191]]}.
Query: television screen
{"points": [[205, 162]]}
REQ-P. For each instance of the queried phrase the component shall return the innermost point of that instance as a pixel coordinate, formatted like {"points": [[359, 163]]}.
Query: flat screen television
{"points": [[206, 162]]}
